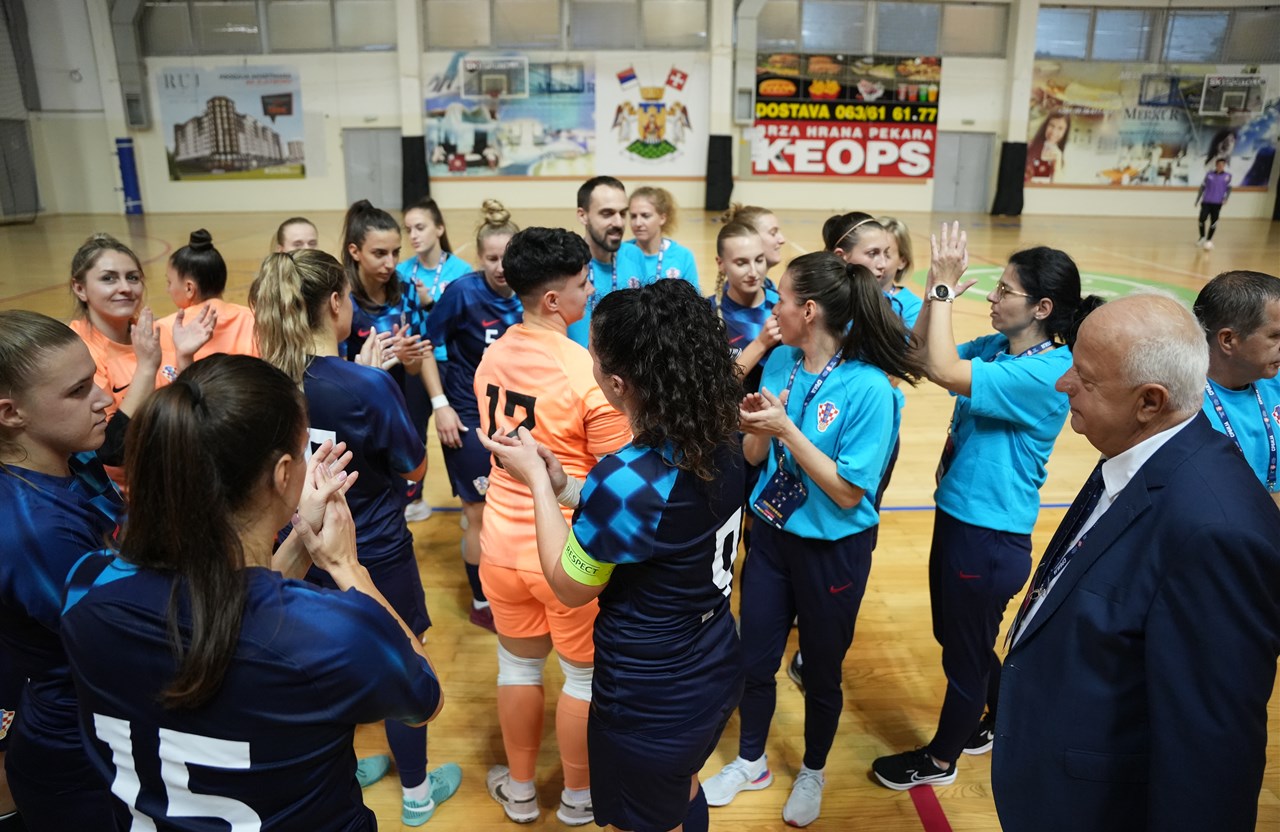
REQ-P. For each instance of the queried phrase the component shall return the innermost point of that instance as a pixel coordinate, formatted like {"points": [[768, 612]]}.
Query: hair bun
{"points": [[102, 238], [495, 213], [201, 240]]}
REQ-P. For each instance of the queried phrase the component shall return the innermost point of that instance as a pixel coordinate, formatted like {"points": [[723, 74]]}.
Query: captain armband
{"points": [[581, 567]]}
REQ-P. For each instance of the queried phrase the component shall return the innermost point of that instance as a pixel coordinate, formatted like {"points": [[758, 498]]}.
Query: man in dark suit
{"points": [[1134, 696]]}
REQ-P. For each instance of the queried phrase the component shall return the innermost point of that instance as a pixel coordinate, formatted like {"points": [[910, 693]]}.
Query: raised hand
{"points": [[190, 335]]}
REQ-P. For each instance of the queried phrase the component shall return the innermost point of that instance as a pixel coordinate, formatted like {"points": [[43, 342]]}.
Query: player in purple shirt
{"points": [[471, 314], [1214, 192]]}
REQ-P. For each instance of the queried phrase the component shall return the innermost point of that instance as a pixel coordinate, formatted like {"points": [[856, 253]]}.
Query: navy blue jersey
{"points": [[743, 324], [468, 317], [667, 652], [48, 524], [409, 315], [273, 748], [362, 406]]}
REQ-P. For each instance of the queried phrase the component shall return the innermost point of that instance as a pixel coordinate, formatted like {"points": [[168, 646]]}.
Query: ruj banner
{"points": [[238, 122], [1123, 125], [845, 115]]}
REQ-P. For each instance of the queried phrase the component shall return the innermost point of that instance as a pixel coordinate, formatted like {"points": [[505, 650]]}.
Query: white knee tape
{"points": [[577, 681], [514, 670]]}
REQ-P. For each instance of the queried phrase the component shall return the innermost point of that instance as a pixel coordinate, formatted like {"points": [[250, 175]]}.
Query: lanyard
{"points": [[813, 391], [662, 248], [435, 284], [595, 296], [1038, 348], [1230, 431]]}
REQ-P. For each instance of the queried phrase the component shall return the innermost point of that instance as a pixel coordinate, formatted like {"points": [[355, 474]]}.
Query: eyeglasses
{"points": [[1002, 290]]}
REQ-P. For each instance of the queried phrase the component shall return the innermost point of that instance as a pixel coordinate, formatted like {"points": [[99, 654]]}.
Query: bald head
{"points": [[1139, 367]]}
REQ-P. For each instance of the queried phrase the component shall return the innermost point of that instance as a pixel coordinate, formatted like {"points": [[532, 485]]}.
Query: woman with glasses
{"points": [[1007, 417]]}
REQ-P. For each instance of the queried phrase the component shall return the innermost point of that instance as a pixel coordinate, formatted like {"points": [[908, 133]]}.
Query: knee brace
{"points": [[514, 670], [577, 681]]}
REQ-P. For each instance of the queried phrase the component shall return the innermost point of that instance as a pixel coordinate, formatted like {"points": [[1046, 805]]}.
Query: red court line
{"points": [[932, 818]]}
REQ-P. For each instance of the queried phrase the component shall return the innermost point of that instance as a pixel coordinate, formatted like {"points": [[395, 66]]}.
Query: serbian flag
{"points": [[627, 77], [676, 78]]}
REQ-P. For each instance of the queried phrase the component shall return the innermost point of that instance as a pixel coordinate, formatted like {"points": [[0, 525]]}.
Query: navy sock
{"points": [[473, 578], [409, 750], [698, 819]]}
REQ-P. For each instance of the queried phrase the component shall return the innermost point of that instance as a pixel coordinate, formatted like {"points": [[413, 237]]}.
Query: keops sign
{"points": [[837, 115]]}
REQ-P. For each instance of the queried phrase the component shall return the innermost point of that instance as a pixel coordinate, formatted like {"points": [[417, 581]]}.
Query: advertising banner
{"points": [[1121, 125], [239, 122], [510, 114], [842, 115]]}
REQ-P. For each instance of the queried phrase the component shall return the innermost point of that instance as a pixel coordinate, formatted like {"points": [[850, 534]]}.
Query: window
{"points": [[365, 24], [1121, 35], [166, 29], [1063, 33], [603, 24], [674, 24], [1195, 36], [907, 28], [834, 25], [1255, 36], [534, 24], [457, 24], [977, 31], [778, 27], [228, 28], [300, 25]]}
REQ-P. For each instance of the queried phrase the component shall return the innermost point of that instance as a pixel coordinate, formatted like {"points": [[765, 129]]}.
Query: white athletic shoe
{"points": [[733, 778], [574, 814], [1208, 245], [499, 784], [417, 511], [1200, 243], [805, 803]]}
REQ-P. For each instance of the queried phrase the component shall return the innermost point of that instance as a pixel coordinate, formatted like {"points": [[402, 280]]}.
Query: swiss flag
{"points": [[676, 78]]}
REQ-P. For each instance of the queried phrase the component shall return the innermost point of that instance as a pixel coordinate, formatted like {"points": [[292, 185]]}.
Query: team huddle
{"points": [[208, 578]]}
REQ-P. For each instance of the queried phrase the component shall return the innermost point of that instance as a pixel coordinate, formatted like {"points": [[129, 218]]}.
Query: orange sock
{"points": [[520, 715], [571, 734]]}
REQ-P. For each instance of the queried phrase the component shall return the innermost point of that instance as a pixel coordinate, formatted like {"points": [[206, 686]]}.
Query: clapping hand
{"points": [[764, 414], [949, 259], [522, 456], [145, 336], [190, 336]]}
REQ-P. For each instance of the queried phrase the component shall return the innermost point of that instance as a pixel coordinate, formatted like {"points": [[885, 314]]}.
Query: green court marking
{"points": [[1105, 286]]}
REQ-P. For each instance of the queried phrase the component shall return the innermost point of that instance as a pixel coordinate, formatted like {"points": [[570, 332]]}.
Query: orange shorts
{"points": [[525, 607]]}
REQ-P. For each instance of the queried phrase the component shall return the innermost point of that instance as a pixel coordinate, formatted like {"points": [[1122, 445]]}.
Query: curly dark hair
{"points": [[666, 341]]}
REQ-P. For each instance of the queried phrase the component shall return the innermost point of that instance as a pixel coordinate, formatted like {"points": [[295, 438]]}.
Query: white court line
{"points": [[1151, 263]]}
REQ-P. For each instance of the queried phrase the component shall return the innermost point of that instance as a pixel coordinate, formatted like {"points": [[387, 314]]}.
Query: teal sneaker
{"points": [[370, 770], [444, 784]]}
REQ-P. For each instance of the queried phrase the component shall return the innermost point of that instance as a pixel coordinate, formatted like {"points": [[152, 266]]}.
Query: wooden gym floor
{"points": [[893, 679]]}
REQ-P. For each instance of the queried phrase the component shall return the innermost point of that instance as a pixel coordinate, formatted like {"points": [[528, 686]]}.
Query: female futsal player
{"points": [[900, 263], [652, 213], [197, 276], [472, 313], [766, 223], [213, 688], [301, 299], [295, 233], [57, 504], [382, 303], [108, 286], [826, 435], [654, 537], [535, 376], [744, 299], [1007, 417], [433, 265]]}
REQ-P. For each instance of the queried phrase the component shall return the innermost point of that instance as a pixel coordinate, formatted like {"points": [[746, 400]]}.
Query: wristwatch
{"points": [[942, 292]]}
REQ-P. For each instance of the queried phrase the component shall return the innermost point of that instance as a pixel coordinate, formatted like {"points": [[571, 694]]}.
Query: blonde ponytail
{"points": [[288, 298]]}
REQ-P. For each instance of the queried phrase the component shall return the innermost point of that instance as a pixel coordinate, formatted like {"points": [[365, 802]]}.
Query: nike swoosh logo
{"points": [[834, 590], [120, 389], [363, 333], [490, 323], [736, 340], [966, 577]]}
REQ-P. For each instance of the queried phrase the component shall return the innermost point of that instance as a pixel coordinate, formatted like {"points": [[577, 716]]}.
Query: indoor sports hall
{"points": [[1085, 126]]}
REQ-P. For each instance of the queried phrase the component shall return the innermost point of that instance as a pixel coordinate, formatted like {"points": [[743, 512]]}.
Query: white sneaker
{"points": [[574, 814], [733, 778], [1200, 243], [499, 783], [417, 511], [805, 803], [1208, 245]]}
